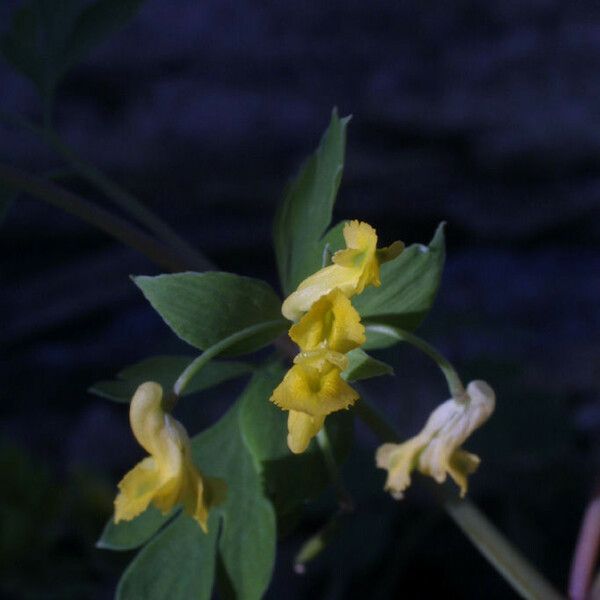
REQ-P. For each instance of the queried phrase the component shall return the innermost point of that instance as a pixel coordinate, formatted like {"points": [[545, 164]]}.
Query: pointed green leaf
{"points": [[205, 309], [128, 535], [247, 541], [177, 564], [409, 285], [305, 212], [165, 370], [363, 366]]}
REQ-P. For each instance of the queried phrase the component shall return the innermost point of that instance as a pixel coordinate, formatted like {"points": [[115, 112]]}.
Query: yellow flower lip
{"points": [[314, 386], [168, 476], [435, 451], [352, 270]]}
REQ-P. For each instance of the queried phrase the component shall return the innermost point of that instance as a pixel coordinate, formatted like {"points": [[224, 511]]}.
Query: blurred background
{"points": [[486, 115]]}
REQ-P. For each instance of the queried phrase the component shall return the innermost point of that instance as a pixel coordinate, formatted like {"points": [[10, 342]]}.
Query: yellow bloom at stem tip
{"points": [[435, 451], [314, 387], [352, 270], [168, 476]]}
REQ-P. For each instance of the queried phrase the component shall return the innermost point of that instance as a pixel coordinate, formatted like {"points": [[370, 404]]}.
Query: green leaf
{"points": [[409, 285], [95, 23], [165, 370], [363, 366], [247, 541], [204, 309], [305, 212], [128, 535], [290, 479], [178, 564]]}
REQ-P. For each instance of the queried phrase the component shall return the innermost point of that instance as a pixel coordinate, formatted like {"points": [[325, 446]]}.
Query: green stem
{"points": [[119, 196], [455, 385], [494, 546], [130, 204], [92, 214], [506, 559], [199, 362], [344, 499]]}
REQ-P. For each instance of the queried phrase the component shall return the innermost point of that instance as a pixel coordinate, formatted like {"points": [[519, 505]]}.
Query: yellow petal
{"points": [[354, 268], [317, 285], [136, 490], [314, 386], [399, 460], [332, 322], [460, 466], [301, 429], [361, 242]]}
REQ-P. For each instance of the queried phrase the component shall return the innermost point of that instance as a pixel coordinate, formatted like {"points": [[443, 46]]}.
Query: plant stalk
{"points": [[92, 214], [494, 546], [455, 385]]}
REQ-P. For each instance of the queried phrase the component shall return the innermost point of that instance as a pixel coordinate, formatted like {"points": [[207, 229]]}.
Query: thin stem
{"points": [[344, 499], [586, 551], [129, 203], [92, 214], [119, 196], [199, 362], [455, 385], [503, 556]]}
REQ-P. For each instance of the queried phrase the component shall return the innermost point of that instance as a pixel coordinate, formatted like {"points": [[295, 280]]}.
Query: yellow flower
{"points": [[314, 387], [331, 323], [167, 477], [436, 451], [352, 270]]}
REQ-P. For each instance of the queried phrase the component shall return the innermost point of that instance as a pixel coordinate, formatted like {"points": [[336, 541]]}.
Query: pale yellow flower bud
{"points": [[435, 451]]}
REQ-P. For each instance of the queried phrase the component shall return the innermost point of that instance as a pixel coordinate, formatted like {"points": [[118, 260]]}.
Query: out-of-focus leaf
{"points": [[248, 536], [95, 23], [409, 285], [165, 370], [305, 212], [363, 366], [21, 45], [128, 535], [265, 431], [206, 309], [178, 564], [47, 37]]}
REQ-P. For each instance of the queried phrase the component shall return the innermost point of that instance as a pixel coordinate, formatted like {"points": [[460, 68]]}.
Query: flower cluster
{"points": [[168, 476], [328, 328]]}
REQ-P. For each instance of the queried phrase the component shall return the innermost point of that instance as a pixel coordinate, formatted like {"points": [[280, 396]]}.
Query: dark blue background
{"points": [[486, 115]]}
